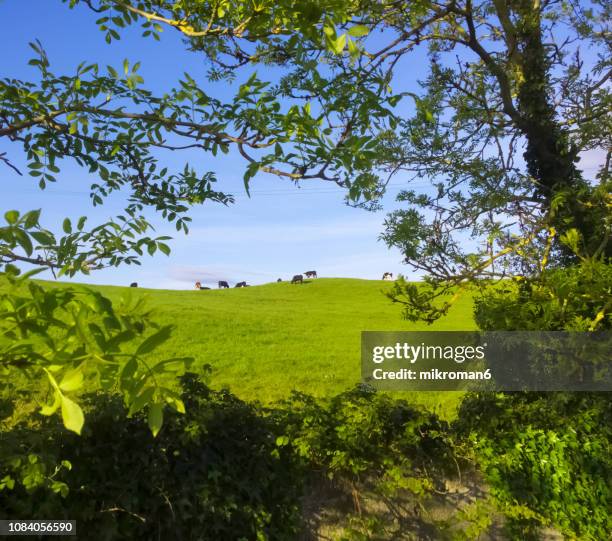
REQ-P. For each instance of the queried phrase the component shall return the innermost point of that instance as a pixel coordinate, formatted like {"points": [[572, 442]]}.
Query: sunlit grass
{"points": [[265, 341]]}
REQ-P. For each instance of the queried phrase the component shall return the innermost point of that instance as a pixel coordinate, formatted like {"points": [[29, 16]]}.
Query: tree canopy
{"points": [[515, 91]]}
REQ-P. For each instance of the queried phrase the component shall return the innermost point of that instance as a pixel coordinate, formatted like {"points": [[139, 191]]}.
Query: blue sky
{"points": [[280, 231]]}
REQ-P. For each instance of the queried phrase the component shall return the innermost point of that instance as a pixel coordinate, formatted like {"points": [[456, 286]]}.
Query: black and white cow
{"points": [[223, 284], [297, 279]]}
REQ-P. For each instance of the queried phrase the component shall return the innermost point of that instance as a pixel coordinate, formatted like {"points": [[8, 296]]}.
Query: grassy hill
{"points": [[264, 341]]}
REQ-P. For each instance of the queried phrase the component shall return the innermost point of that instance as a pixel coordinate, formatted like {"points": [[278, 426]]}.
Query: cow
{"points": [[241, 284], [223, 284], [134, 284], [279, 280], [297, 279], [203, 288], [198, 285], [311, 274], [387, 276]]}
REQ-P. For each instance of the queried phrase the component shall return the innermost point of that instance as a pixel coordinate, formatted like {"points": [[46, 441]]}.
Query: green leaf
{"points": [[174, 400], [329, 30], [24, 241], [571, 238], [31, 218], [339, 44], [359, 31], [175, 364], [282, 441], [11, 216], [155, 340], [50, 409], [155, 418], [128, 371], [72, 380], [43, 237], [72, 415], [141, 400], [353, 49], [67, 226]]}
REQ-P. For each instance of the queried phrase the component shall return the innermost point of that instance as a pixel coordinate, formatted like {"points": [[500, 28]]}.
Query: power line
{"points": [[268, 192]]}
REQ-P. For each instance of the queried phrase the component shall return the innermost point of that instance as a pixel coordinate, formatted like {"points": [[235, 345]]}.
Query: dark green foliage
{"points": [[361, 432], [546, 457], [392, 460], [577, 298], [226, 469], [213, 473]]}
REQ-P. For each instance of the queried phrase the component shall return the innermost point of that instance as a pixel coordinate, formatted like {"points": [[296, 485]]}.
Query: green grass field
{"points": [[264, 341]]}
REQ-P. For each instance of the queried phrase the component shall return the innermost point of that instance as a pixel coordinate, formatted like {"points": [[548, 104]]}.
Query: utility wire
{"points": [[267, 192]]}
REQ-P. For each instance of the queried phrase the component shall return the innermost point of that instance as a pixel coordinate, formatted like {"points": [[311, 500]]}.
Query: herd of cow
{"points": [[297, 279], [222, 284]]}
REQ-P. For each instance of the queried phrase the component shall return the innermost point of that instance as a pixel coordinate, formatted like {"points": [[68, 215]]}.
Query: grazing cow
{"points": [[223, 284], [241, 284], [297, 279], [387, 276], [198, 285], [134, 284], [311, 274], [279, 280]]}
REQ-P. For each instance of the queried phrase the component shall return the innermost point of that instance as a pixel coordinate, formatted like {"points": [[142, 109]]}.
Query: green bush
{"points": [[226, 469], [546, 456], [547, 459], [390, 458], [361, 432], [212, 473]]}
